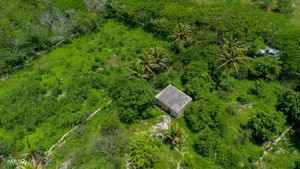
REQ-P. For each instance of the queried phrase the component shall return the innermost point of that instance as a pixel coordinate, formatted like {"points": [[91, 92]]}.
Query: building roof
{"points": [[173, 99]]}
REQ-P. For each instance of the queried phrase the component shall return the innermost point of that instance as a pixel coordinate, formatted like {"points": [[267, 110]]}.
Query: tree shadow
{"points": [[295, 139], [246, 132]]}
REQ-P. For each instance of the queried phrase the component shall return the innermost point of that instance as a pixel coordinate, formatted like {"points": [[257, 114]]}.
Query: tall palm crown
{"points": [[137, 70], [152, 61], [35, 161], [182, 36], [232, 56], [176, 134], [159, 56], [30, 165], [148, 62]]}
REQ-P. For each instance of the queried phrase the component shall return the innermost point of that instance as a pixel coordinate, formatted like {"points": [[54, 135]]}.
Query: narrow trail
{"points": [[270, 146], [61, 141]]}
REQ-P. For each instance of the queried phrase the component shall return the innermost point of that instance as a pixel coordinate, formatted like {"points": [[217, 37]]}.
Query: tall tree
{"points": [[160, 57], [182, 36], [148, 61], [137, 70], [232, 56]]}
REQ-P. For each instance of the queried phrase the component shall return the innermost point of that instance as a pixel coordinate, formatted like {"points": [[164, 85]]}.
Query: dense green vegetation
{"points": [[127, 51], [29, 29]]}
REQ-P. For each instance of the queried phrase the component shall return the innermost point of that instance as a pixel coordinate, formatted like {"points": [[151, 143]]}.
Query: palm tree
{"points": [[148, 62], [35, 161], [159, 56], [175, 135], [232, 56], [182, 36], [30, 165], [137, 70]]}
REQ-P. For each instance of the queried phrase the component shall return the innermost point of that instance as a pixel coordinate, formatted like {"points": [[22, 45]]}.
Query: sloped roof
{"points": [[173, 98]]}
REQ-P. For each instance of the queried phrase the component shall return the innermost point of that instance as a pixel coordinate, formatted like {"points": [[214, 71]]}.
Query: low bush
{"points": [[205, 114], [144, 152], [207, 143], [265, 68], [267, 124], [200, 86], [243, 99], [290, 105], [134, 97], [194, 70]]}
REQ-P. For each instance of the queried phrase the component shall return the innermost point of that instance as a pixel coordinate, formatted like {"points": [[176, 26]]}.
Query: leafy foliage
{"points": [[290, 105], [207, 143], [232, 56], [285, 7], [30, 28], [111, 142], [148, 64], [182, 36], [176, 135], [199, 87], [297, 164], [134, 97], [56, 93], [193, 70], [65, 86], [143, 152], [266, 125], [265, 68], [204, 114]]}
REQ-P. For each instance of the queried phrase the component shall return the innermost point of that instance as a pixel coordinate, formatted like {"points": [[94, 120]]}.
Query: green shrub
{"points": [[290, 105], [144, 152], [194, 70], [199, 53], [200, 86], [266, 124], [204, 114], [175, 135], [243, 99], [285, 7], [110, 125], [287, 41], [6, 146], [207, 143], [232, 108], [160, 81], [261, 89], [133, 97], [255, 46], [228, 157], [297, 164], [226, 85], [265, 68]]}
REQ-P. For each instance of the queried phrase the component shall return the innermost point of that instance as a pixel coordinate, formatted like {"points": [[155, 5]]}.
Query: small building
{"points": [[173, 100]]}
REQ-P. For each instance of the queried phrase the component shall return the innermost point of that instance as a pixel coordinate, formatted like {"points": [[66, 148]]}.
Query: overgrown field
{"points": [[41, 102], [219, 53]]}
